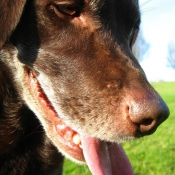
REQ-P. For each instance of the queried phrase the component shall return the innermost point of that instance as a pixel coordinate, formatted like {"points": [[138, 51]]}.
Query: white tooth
{"points": [[76, 139]]}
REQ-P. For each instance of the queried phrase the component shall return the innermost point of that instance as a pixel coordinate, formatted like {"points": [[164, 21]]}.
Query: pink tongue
{"points": [[105, 158]]}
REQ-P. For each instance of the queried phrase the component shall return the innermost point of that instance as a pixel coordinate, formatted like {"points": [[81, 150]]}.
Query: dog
{"points": [[70, 86]]}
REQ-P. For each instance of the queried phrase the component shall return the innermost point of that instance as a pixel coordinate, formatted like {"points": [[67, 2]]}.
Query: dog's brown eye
{"points": [[68, 10]]}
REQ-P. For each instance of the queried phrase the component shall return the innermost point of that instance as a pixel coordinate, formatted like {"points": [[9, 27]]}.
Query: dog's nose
{"points": [[147, 112]]}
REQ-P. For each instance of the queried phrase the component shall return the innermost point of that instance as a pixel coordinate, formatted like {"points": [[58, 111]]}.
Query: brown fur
{"points": [[11, 11], [86, 73]]}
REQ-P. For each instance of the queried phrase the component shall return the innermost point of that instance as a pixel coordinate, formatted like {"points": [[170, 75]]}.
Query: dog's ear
{"points": [[10, 13]]}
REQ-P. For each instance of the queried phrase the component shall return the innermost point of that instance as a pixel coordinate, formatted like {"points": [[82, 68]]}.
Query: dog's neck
{"points": [[10, 115], [20, 129]]}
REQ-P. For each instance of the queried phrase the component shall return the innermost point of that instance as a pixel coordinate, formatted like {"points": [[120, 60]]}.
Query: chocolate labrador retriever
{"points": [[71, 86]]}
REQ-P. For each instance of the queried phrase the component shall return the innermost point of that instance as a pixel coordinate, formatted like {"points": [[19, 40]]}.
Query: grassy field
{"points": [[152, 155]]}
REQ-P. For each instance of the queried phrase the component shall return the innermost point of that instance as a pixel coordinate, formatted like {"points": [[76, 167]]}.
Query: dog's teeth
{"points": [[76, 139]]}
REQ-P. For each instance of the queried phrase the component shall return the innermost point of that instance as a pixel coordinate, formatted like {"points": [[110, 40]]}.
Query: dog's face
{"points": [[76, 71]]}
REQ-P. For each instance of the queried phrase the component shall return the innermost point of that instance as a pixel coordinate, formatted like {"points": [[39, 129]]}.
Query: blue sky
{"points": [[158, 26]]}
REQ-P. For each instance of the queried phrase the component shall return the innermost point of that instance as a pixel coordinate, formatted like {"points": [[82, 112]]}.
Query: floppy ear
{"points": [[10, 13]]}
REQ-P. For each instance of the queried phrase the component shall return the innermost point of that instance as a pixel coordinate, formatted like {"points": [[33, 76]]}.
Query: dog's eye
{"points": [[69, 10]]}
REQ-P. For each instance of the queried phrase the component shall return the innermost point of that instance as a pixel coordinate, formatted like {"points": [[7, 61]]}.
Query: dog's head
{"points": [[73, 63]]}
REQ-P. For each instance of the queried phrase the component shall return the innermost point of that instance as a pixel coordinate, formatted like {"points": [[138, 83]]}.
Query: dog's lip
{"points": [[102, 158], [69, 140]]}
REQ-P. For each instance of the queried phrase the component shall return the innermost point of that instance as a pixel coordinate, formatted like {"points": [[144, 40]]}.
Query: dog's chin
{"points": [[102, 157]]}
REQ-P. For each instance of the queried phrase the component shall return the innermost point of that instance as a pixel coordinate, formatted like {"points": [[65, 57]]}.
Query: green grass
{"points": [[151, 155]]}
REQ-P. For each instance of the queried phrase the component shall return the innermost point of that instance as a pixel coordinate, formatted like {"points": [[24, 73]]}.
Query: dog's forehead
{"points": [[125, 12], [100, 6], [97, 2], [113, 3], [93, 3]]}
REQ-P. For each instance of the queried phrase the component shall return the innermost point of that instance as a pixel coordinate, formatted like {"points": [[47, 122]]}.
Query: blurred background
{"points": [[157, 39]]}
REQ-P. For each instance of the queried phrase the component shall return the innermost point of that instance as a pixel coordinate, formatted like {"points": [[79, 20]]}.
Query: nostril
{"points": [[148, 126], [145, 126], [145, 118], [147, 122]]}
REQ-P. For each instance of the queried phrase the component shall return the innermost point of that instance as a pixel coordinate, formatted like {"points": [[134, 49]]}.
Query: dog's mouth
{"points": [[102, 158]]}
